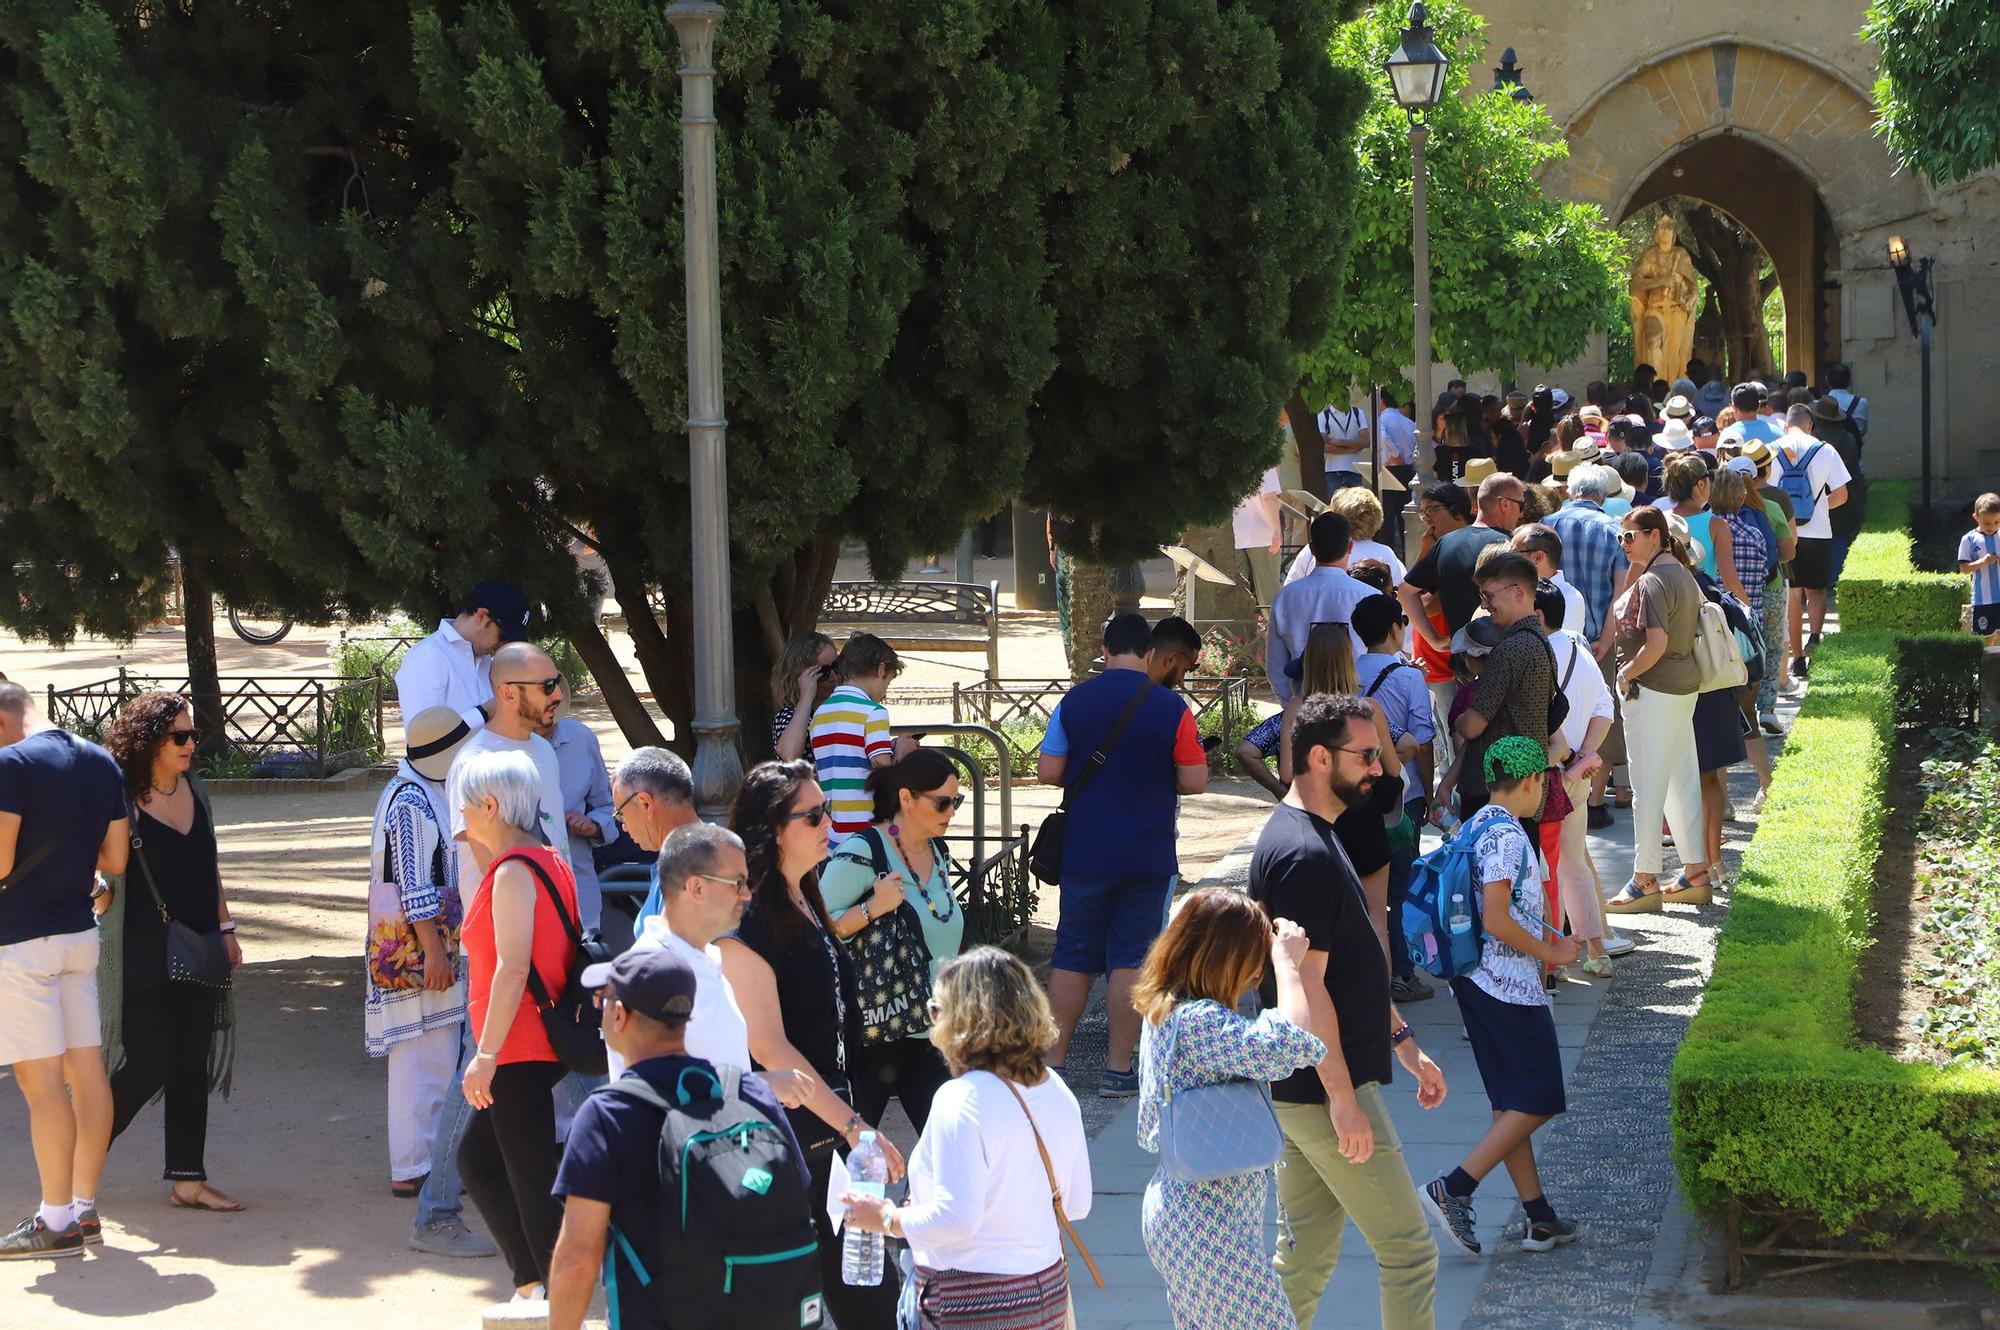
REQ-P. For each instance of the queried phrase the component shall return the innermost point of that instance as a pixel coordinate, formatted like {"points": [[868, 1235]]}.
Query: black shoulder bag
{"points": [[192, 958], [892, 963], [1045, 856], [574, 1024]]}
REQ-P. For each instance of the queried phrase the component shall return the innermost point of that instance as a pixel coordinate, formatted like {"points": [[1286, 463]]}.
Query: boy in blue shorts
{"points": [[1505, 1008], [1979, 559]]}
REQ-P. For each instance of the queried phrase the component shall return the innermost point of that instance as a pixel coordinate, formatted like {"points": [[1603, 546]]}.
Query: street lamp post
{"points": [[1416, 72], [1913, 280], [718, 764]]}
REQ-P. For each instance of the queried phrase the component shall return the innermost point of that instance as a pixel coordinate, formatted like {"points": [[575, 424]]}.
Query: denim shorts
{"points": [[1108, 924]]}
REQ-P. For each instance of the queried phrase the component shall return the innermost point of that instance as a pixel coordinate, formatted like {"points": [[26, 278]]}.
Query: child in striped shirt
{"points": [[850, 731]]}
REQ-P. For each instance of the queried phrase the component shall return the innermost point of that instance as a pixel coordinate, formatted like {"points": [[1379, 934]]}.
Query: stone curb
{"points": [[352, 778]]}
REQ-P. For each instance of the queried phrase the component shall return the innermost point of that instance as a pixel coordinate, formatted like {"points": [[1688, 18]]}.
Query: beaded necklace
{"points": [[950, 901]]}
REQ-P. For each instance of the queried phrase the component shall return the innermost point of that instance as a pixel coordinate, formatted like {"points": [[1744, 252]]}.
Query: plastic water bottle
{"points": [[868, 1175], [1460, 918]]}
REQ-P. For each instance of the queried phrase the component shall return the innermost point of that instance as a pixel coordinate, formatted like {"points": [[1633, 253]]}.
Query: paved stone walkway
{"points": [[1606, 1162]]}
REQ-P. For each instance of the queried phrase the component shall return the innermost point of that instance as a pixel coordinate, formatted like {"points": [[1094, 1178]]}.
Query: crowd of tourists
{"points": [[1603, 603]]}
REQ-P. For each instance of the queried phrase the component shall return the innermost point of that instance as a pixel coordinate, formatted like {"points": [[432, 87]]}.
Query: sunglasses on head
{"points": [[548, 686], [182, 738], [812, 817]]}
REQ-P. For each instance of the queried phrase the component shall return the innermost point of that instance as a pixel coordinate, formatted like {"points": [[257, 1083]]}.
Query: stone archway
{"points": [[1764, 134]]}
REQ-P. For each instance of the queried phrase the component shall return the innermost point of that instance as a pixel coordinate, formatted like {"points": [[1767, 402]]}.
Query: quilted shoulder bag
{"points": [[1209, 1132], [192, 957]]}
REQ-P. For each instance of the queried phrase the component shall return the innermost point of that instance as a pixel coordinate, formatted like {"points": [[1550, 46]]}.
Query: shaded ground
{"points": [[1888, 1000]]}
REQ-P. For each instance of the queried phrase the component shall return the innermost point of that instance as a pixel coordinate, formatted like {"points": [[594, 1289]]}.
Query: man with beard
{"points": [[1342, 1156], [527, 692]]}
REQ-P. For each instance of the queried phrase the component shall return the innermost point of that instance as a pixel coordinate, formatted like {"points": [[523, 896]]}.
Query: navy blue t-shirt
{"points": [[1121, 826], [613, 1156], [60, 786]]}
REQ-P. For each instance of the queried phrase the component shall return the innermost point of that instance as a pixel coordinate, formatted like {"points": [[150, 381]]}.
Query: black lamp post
{"points": [[1416, 70], [1507, 78], [1913, 280]]}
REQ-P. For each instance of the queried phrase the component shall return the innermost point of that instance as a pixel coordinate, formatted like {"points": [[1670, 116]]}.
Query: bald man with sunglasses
{"points": [[527, 692]]}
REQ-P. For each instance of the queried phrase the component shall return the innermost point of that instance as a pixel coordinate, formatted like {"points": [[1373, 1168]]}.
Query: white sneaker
{"points": [[1617, 944], [1771, 726], [1757, 803]]}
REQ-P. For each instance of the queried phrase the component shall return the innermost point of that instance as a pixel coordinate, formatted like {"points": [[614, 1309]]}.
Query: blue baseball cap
{"points": [[506, 604], [652, 981]]}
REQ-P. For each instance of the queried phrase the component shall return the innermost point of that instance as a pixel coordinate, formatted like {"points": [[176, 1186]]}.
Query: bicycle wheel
{"points": [[259, 625]]}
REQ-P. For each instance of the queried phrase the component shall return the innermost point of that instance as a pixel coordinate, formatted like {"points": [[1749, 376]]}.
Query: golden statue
{"points": [[1663, 304]]}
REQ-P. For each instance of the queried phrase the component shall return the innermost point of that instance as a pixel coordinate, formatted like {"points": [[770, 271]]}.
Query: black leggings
{"points": [[508, 1163], [910, 1069], [854, 1306], [167, 1034]]}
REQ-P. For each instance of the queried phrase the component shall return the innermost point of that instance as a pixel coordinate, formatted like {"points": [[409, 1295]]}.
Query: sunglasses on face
{"points": [[944, 803], [740, 884], [182, 738], [813, 816], [1627, 537], [1369, 756], [548, 686]]}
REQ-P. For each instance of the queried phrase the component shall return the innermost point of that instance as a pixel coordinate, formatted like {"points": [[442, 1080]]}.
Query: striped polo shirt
{"points": [[849, 729]]}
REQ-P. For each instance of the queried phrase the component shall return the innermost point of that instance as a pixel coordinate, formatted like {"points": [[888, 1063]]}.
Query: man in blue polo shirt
{"points": [[1119, 861]]}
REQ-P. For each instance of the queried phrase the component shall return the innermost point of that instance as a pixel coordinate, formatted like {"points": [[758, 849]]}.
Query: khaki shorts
{"points": [[48, 997]]}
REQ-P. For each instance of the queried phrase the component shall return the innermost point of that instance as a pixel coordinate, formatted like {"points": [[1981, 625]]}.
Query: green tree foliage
{"points": [[1939, 62], [372, 301], [1517, 278], [1197, 237]]}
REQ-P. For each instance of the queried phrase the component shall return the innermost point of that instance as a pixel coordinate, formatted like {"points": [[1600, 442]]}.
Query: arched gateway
{"points": [[1764, 113]]}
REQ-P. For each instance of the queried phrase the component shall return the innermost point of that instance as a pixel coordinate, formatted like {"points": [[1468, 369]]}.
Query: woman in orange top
{"points": [[509, 1155]]}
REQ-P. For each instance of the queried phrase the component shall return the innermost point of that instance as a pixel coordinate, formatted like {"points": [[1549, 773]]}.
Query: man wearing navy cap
{"points": [[610, 1166], [453, 667]]}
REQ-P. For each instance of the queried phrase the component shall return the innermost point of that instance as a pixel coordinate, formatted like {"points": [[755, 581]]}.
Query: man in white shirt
{"points": [[704, 889], [527, 691], [1819, 482], [1255, 526], [1544, 547], [453, 666], [1591, 709], [1396, 435], [1329, 595], [1345, 431]]}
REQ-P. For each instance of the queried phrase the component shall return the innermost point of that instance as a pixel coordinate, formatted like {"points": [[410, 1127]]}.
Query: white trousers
{"points": [[1666, 777], [1576, 875], [420, 1075]]}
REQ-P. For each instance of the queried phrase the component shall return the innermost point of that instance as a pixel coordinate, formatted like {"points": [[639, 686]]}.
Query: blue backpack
{"points": [[1441, 923], [1794, 481]]}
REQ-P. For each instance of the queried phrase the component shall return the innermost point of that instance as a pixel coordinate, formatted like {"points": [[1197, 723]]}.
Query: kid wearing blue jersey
{"points": [[1979, 559]]}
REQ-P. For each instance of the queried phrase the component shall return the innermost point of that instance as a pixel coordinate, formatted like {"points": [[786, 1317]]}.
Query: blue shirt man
{"points": [[1592, 559], [1325, 595], [586, 799]]}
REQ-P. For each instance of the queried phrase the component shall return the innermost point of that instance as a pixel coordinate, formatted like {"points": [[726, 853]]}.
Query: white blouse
{"points": [[979, 1196]]}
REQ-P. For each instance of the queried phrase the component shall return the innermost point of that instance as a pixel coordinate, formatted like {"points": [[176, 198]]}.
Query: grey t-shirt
{"points": [[1665, 596]]}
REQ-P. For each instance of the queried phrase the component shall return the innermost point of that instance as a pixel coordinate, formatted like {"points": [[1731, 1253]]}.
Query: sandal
{"points": [[1632, 899], [206, 1198], [1684, 892]]}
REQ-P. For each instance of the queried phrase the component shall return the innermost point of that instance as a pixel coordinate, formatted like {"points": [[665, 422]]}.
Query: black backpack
{"points": [[737, 1248]]}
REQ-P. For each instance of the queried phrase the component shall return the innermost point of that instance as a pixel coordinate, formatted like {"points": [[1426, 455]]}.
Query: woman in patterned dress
{"points": [[1207, 1238]]}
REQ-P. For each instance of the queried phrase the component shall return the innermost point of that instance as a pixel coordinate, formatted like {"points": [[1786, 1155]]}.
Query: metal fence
{"points": [[273, 725], [1220, 705]]}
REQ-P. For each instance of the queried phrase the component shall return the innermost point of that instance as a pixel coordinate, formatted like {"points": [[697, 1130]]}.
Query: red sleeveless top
{"points": [[551, 954]]}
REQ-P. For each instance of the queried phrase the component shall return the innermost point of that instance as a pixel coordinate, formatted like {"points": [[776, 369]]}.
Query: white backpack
{"points": [[1716, 652]]}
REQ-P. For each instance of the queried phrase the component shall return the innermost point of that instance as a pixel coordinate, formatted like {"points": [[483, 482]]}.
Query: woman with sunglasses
{"points": [[791, 984], [899, 859], [1659, 680], [162, 1036]]}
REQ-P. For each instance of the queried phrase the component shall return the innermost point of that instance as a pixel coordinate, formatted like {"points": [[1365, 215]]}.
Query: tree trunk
{"points": [[204, 679], [1090, 602], [1310, 442], [627, 708]]}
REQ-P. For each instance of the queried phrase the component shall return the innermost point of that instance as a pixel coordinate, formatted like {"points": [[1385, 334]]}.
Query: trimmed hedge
{"points": [[1775, 1102], [1880, 587]]}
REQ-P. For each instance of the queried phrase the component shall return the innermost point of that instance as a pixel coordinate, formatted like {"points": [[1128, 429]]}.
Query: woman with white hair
{"points": [[512, 926]]}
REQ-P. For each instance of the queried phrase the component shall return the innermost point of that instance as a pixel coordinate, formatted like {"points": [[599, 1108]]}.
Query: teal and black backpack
{"points": [[737, 1248]]}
